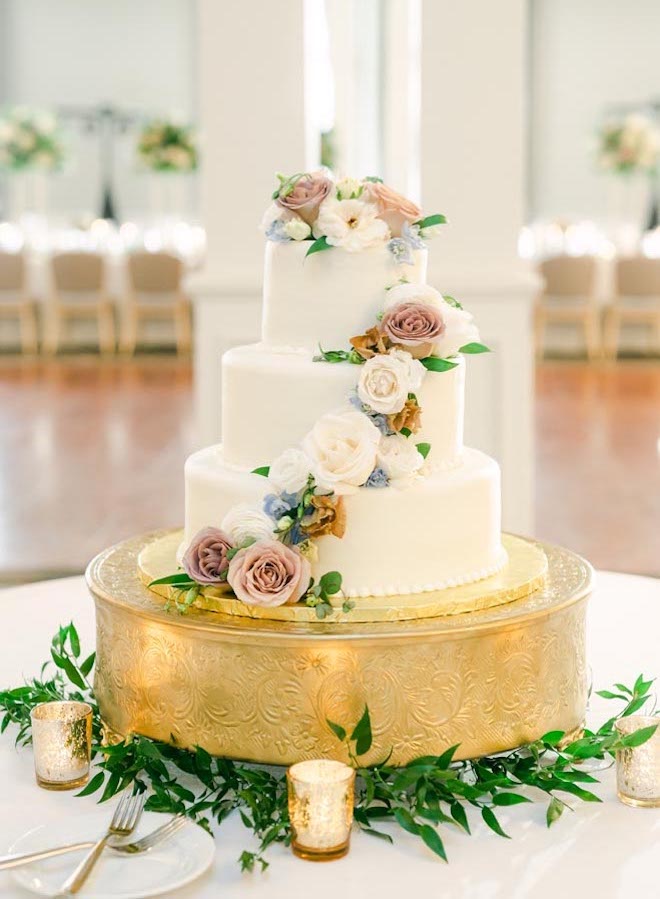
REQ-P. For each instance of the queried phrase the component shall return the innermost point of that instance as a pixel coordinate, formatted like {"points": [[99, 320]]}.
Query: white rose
{"points": [[244, 522], [415, 369], [342, 446], [384, 383], [350, 224], [399, 458], [289, 472], [349, 188], [459, 330], [414, 293], [297, 229]]}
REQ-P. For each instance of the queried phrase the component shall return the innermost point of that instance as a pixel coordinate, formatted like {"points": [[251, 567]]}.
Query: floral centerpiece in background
{"points": [[29, 140], [629, 146], [167, 146]]}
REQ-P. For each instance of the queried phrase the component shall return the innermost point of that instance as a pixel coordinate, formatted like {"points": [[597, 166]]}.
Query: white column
{"points": [[474, 74], [251, 112]]}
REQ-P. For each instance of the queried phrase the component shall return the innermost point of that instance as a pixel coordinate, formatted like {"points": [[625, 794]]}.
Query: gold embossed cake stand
{"points": [[261, 690]]}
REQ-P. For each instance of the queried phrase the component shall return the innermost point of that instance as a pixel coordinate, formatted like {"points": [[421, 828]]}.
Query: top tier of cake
{"points": [[327, 297]]}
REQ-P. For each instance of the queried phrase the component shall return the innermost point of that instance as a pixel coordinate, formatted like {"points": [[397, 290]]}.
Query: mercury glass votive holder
{"points": [[638, 767], [320, 808], [62, 743]]}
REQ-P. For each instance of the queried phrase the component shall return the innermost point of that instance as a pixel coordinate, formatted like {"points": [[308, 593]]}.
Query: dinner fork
{"points": [[142, 845], [123, 823]]}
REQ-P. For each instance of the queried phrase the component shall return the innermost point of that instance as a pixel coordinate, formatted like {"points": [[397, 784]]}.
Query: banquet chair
{"points": [[15, 301], [569, 297], [78, 291], [636, 299], [155, 292]]}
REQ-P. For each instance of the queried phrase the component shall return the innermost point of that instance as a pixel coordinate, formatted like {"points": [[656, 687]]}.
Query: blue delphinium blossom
{"points": [[411, 234], [275, 506], [295, 535], [377, 478], [275, 231], [401, 250], [377, 418]]}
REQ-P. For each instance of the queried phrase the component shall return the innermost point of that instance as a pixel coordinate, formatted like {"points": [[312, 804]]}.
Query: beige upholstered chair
{"points": [[568, 296], [155, 292], [15, 301], [636, 299], [79, 292]]}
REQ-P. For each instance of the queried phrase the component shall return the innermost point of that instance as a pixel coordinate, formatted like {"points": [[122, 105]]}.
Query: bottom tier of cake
{"points": [[441, 531], [263, 691]]}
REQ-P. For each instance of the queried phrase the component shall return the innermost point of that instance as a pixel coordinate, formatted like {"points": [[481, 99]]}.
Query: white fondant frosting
{"points": [[441, 531], [330, 296], [270, 400]]}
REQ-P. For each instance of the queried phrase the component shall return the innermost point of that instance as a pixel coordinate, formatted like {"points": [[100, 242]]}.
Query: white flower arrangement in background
{"points": [[353, 214], [167, 146], [30, 140], [629, 146]]}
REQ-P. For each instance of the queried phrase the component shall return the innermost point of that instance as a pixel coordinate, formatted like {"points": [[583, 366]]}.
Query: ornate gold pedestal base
{"points": [[262, 690]]}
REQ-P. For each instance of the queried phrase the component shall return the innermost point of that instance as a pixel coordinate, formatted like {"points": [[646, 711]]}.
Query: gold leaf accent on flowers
{"points": [[329, 517], [409, 417], [370, 343]]}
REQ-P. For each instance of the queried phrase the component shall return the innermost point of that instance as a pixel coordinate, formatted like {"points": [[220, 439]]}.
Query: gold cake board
{"points": [[262, 690], [523, 574]]}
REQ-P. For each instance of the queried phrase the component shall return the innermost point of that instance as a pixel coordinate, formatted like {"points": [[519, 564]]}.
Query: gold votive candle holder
{"points": [[320, 808], [62, 743], [638, 767]]}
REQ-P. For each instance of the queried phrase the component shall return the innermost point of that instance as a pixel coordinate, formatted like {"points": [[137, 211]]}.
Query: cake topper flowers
{"points": [[350, 213]]}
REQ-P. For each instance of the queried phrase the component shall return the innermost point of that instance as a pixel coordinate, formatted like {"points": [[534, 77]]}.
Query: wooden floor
{"points": [[93, 451]]}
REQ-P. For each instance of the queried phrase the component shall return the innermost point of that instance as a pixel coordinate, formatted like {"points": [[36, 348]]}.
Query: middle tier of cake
{"points": [[441, 531], [271, 399]]}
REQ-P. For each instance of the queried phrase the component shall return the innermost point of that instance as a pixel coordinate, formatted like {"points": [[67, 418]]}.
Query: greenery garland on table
{"points": [[426, 793]]}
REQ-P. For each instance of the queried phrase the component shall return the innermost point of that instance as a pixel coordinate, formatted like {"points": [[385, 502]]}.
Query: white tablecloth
{"points": [[606, 850]]}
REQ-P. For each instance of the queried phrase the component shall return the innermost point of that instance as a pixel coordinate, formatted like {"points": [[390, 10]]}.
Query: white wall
{"points": [[586, 55], [137, 55]]}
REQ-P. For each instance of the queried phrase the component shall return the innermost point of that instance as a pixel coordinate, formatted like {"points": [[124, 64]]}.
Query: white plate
{"points": [[171, 864]]}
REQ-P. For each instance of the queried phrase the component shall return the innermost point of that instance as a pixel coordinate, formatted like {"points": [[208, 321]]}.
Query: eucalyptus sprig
{"points": [[427, 794]]}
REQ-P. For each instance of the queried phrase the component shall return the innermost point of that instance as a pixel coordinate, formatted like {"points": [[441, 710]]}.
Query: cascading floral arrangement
{"points": [[167, 146], [354, 214], [30, 141], [629, 146], [263, 555]]}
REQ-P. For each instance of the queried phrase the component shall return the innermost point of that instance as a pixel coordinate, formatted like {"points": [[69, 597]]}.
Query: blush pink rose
{"points": [[268, 573], [205, 560], [393, 207], [307, 195], [413, 326]]}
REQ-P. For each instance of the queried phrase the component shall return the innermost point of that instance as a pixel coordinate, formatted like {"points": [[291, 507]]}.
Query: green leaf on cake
{"points": [[180, 579], [374, 179], [474, 348], [405, 432], [334, 356], [433, 363], [424, 449], [320, 244], [431, 220], [330, 583], [555, 810], [264, 471], [362, 733], [451, 301]]}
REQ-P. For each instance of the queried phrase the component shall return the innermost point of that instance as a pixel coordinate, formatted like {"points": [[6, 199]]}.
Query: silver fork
{"points": [[142, 845], [123, 823]]}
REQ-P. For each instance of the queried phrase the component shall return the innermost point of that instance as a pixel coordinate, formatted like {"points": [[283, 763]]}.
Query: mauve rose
{"points": [[393, 207], [414, 326], [205, 560], [307, 195], [268, 573]]}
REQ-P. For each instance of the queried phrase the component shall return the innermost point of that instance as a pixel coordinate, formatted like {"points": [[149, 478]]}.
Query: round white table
{"points": [[605, 849]]}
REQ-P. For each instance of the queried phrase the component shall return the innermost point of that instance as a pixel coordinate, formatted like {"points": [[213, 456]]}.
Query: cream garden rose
{"points": [[386, 380], [350, 224], [244, 522], [399, 458], [290, 471], [342, 446]]}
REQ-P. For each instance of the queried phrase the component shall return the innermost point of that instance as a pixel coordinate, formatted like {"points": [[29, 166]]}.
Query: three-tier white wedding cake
{"points": [[342, 430]]}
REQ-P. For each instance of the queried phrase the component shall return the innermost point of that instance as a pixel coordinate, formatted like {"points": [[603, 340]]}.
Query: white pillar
{"points": [[251, 112], [472, 168]]}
